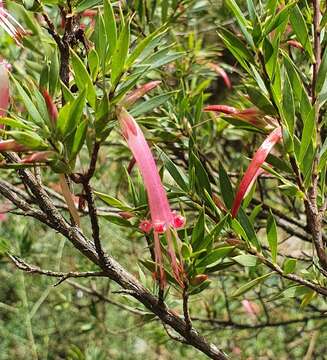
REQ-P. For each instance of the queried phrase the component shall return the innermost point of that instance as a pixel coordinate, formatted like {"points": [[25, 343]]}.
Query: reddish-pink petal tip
{"points": [[145, 226]]}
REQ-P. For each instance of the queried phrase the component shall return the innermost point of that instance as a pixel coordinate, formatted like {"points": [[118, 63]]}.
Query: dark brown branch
{"points": [[32, 269], [186, 313], [231, 324]]}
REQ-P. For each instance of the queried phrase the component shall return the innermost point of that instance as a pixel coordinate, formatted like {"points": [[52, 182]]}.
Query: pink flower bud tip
{"points": [[11, 145], [37, 157], [52, 109], [136, 94], [145, 226]]}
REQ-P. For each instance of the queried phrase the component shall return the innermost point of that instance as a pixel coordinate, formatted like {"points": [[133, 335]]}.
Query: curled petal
{"points": [[252, 171]]}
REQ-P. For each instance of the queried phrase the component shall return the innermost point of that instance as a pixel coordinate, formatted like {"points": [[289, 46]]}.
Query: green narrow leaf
{"points": [[293, 77], [272, 236], [321, 78], [30, 107], [237, 48], [214, 256], [198, 233], [246, 287], [301, 30], [15, 123], [120, 54], [142, 45], [202, 180], [151, 104], [93, 61], [307, 133], [226, 188], [248, 228], [87, 4], [79, 139], [175, 172], [53, 73], [288, 105], [83, 79], [111, 201], [278, 19], [232, 5], [70, 115], [110, 26], [246, 260]]}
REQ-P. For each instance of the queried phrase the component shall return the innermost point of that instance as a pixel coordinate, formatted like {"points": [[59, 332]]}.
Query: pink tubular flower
{"points": [[163, 219], [10, 24], [221, 72], [11, 145], [136, 94], [251, 308], [37, 157], [295, 44], [252, 116], [253, 170], [4, 89]]}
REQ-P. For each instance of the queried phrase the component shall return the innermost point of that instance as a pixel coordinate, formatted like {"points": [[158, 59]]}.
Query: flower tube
{"points": [[163, 219], [4, 89]]}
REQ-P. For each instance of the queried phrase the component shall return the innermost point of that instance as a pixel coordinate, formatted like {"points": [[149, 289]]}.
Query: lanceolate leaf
{"points": [[110, 26], [30, 107], [83, 79], [272, 236], [120, 54], [246, 287], [300, 29]]}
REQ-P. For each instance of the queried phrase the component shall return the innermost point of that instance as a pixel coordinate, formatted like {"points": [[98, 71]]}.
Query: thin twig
{"points": [[32, 269]]}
